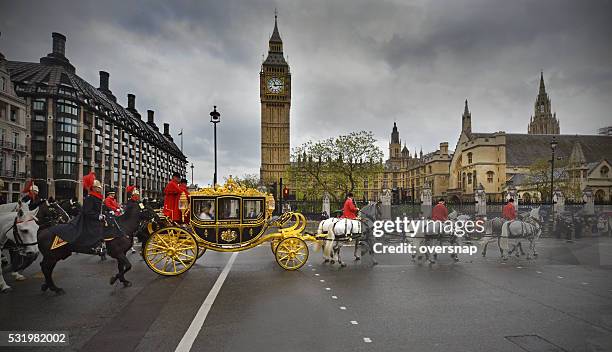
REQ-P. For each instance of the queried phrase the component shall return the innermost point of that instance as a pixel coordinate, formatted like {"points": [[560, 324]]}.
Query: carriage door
{"points": [[253, 218], [228, 220]]}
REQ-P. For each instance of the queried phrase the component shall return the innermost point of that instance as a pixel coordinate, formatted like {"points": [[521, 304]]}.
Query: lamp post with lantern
{"points": [[215, 118], [553, 146], [192, 181]]}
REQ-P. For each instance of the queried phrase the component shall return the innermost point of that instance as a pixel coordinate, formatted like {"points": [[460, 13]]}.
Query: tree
{"points": [[335, 165], [539, 178], [247, 180]]}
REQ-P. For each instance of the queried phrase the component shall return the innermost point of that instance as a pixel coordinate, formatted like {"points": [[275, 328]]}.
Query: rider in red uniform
{"points": [[349, 210], [509, 211], [439, 212], [111, 203], [172, 194]]}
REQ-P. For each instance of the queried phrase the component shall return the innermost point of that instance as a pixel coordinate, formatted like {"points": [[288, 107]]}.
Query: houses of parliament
{"points": [[492, 161]]}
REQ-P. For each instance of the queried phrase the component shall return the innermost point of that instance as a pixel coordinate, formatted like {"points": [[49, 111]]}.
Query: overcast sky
{"points": [[356, 65]]}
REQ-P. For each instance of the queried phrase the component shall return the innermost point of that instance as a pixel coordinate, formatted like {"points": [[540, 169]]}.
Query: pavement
{"points": [[560, 302]]}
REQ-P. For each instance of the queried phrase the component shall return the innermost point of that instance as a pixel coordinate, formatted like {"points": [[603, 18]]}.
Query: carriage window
{"points": [[204, 209], [229, 208], [252, 209]]}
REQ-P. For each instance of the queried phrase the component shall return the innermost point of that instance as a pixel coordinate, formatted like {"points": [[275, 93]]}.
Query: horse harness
{"points": [[18, 243]]}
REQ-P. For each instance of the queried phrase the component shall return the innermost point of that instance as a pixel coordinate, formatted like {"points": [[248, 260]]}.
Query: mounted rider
{"points": [[509, 211], [439, 211], [111, 203], [31, 196], [349, 210], [172, 194]]}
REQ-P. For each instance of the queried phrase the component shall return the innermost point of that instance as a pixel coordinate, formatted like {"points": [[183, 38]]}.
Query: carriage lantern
{"points": [[183, 205]]}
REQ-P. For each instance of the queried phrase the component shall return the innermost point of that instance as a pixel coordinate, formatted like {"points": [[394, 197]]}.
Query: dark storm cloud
{"points": [[355, 64]]}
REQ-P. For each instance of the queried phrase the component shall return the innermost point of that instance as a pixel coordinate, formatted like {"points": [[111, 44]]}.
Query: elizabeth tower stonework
{"points": [[275, 95]]}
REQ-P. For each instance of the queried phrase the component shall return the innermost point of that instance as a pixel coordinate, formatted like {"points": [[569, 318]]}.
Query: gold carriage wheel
{"points": [[274, 245], [201, 250], [170, 251], [291, 253]]}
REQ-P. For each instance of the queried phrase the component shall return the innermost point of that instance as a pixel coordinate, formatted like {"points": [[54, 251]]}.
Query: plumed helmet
{"points": [[88, 180], [135, 192], [34, 188], [130, 189], [96, 183]]}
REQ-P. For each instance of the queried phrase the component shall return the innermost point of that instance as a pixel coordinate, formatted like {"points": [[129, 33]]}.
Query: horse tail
{"points": [[329, 243]]}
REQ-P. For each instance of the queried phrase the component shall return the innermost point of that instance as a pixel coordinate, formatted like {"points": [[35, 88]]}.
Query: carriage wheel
{"points": [[274, 245], [291, 253], [201, 251], [171, 251]]}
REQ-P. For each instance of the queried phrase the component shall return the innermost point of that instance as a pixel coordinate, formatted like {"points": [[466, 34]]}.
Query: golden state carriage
{"points": [[227, 218]]}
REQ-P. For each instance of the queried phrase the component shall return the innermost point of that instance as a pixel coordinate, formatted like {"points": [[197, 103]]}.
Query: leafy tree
{"points": [[335, 165], [539, 178], [247, 180]]}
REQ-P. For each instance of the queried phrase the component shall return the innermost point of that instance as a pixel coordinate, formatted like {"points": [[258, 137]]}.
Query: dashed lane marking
{"points": [[317, 274], [327, 289], [354, 322], [559, 277], [196, 325], [539, 272], [336, 297], [322, 280], [367, 340], [342, 308]]}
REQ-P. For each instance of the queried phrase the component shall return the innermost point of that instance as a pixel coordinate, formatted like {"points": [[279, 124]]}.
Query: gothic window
{"points": [[469, 178], [604, 171], [490, 176], [469, 155]]}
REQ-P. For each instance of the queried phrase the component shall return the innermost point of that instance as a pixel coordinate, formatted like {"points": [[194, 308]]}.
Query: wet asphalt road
{"points": [[560, 302]]}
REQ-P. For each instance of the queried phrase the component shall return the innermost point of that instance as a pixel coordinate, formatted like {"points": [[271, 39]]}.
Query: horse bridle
{"points": [[18, 240]]}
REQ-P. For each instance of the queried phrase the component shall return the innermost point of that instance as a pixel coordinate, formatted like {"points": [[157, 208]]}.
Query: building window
{"points": [[604, 171], [13, 115], [2, 83], [469, 155], [490, 176], [39, 104], [469, 178]]}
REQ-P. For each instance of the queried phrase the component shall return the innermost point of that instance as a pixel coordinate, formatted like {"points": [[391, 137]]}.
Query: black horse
{"points": [[119, 232]]}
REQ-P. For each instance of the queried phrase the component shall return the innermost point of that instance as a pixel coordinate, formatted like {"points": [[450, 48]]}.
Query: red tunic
{"points": [[172, 194], [509, 212], [349, 210], [112, 204], [439, 213]]}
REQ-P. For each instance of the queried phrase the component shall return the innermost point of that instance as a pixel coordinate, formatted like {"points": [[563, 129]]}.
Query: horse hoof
{"points": [[357, 258], [6, 289], [375, 263], [343, 265], [326, 261], [127, 284], [113, 280], [44, 287], [333, 262], [18, 277]]}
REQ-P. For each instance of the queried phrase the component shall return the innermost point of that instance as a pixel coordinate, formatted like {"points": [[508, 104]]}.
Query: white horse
{"points": [[10, 207], [21, 229], [528, 229], [338, 230]]}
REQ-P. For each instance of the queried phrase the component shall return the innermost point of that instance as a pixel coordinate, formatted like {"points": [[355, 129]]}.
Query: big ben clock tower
{"points": [[275, 95]]}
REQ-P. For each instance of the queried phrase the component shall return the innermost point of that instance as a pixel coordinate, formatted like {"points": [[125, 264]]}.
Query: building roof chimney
{"points": [[150, 118], [166, 129], [57, 56], [131, 101], [104, 77]]}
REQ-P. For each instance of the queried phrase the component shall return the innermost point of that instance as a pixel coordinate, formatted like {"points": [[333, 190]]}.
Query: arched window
{"points": [[469, 178], [490, 175], [600, 196], [469, 157], [604, 171]]}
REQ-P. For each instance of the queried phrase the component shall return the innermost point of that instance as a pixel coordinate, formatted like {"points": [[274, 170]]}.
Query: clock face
{"points": [[275, 85]]}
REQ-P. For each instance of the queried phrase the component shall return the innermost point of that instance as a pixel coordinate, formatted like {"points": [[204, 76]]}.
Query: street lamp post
{"points": [[553, 146], [215, 118], [192, 182]]}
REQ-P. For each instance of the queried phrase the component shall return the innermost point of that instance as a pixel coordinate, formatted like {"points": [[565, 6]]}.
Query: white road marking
{"points": [[317, 274], [313, 269], [559, 277], [539, 272], [327, 289], [336, 297], [342, 308], [196, 325], [322, 280], [367, 340], [309, 264], [519, 267], [354, 322], [585, 283]]}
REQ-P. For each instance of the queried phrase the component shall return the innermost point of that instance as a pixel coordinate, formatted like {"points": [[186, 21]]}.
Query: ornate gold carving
{"points": [[228, 235], [251, 232], [231, 187]]}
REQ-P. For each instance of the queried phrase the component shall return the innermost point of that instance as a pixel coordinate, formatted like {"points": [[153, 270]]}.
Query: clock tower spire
{"points": [[275, 97], [544, 121]]}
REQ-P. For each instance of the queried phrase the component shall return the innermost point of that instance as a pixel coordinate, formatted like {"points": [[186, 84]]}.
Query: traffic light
{"points": [[285, 192]]}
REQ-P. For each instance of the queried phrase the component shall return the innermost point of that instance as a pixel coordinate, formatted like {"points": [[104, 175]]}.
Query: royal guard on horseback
{"points": [[110, 202], [509, 211], [172, 194], [31, 195], [349, 210], [439, 211]]}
